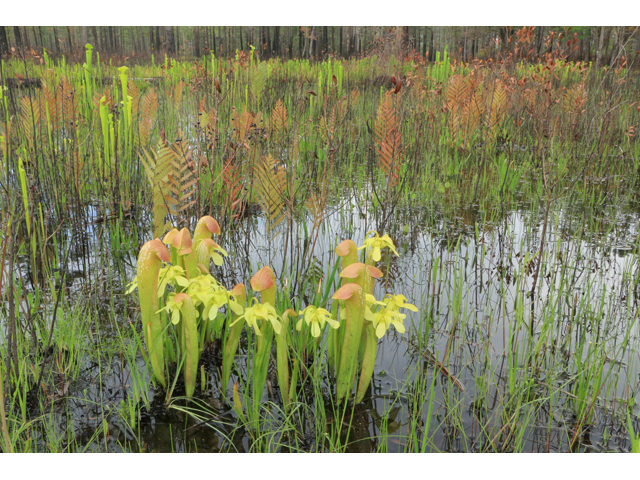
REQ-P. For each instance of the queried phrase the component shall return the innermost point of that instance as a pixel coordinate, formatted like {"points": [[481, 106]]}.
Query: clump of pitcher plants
{"points": [[184, 308]]}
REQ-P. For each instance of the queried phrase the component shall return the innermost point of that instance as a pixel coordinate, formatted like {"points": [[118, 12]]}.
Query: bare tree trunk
{"points": [[170, 42], [111, 42], [104, 39], [36, 43], [152, 40], [617, 46], [363, 40], [600, 43], [325, 40], [464, 44], [291, 42], [25, 35], [95, 40], [41, 38], [605, 48], [333, 40], [432, 49], [133, 39], [55, 41], [538, 42], [139, 36], [158, 40], [313, 32], [397, 50], [275, 45], [18, 35], [4, 41], [196, 40], [405, 41], [267, 31], [304, 43], [85, 36]]}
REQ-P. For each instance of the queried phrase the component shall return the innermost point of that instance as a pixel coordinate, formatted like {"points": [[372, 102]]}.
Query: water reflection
{"points": [[469, 271]]}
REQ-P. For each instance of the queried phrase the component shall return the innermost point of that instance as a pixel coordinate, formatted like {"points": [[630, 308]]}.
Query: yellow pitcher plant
{"points": [[181, 296]]}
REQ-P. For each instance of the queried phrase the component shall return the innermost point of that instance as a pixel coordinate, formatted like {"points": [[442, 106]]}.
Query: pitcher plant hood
{"points": [[205, 227], [180, 240]]}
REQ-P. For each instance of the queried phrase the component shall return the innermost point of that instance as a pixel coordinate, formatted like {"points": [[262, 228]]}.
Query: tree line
{"points": [[602, 45]]}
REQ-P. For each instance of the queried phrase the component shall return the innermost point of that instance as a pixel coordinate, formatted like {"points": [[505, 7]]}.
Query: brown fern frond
{"points": [[148, 113], [323, 130], [232, 180], [53, 107], [497, 105], [177, 95], [279, 119], [29, 119], [316, 206], [327, 127], [258, 80], [183, 182], [574, 99], [241, 123], [5, 134], [211, 123], [340, 112], [159, 167], [270, 184], [474, 114], [69, 99], [97, 96], [388, 139], [458, 91], [354, 96], [530, 98], [134, 93], [244, 124], [203, 116]]}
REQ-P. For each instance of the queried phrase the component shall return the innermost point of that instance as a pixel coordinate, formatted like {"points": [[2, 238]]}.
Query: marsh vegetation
{"points": [[496, 203]]}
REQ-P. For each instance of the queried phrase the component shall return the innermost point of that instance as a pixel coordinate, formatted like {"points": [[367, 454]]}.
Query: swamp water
{"points": [[466, 376]]}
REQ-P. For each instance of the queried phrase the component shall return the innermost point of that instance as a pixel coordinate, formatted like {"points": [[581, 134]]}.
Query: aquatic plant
{"points": [[354, 298], [474, 146], [150, 259], [193, 303], [232, 333], [186, 321], [264, 282], [196, 298]]}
